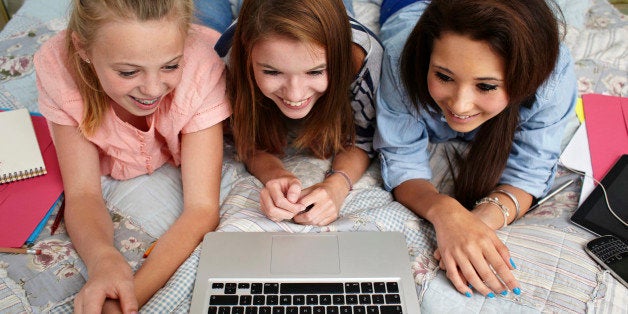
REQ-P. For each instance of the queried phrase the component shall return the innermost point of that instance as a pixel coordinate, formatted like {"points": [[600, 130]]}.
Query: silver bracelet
{"points": [[513, 199], [342, 173], [495, 201]]}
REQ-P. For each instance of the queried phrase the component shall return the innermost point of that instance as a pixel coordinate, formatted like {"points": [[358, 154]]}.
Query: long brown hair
{"points": [[525, 33], [256, 121], [86, 19]]}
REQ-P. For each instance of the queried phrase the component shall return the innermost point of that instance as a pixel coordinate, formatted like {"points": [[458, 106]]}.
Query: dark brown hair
{"points": [[257, 122], [525, 33]]}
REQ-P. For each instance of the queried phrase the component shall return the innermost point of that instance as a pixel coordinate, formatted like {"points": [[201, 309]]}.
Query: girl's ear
{"points": [[78, 46]]}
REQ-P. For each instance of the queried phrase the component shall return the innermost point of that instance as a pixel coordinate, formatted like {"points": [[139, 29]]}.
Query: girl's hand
{"points": [[279, 198], [471, 253], [326, 200], [111, 278]]}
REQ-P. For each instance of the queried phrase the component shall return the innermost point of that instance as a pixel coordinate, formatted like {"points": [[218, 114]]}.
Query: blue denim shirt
{"points": [[403, 132]]}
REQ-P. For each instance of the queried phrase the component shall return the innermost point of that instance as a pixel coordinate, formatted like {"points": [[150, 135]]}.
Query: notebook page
{"points": [[20, 157]]}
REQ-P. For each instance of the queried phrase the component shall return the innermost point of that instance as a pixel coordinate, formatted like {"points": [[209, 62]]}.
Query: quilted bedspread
{"points": [[555, 273]]}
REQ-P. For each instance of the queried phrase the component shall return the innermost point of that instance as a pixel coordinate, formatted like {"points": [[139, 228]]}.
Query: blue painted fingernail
{"points": [[490, 295], [516, 291], [513, 264], [504, 293], [470, 286], [467, 294]]}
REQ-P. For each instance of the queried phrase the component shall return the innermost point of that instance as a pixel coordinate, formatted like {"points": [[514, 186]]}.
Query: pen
{"points": [[58, 218], [150, 248], [551, 194], [20, 250]]}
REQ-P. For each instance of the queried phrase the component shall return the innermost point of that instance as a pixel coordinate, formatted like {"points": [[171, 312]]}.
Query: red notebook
{"points": [[24, 203]]}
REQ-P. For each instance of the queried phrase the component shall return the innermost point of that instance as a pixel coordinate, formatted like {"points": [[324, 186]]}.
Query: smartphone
{"points": [[611, 253]]}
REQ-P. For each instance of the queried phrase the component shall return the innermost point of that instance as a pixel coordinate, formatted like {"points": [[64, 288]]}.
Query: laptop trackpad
{"points": [[305, 254]]}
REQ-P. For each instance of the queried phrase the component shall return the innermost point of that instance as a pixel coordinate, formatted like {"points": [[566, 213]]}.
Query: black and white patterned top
{"points": [[363, 88]]}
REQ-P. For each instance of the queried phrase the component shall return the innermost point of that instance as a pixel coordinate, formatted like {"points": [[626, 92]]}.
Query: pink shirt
{"points": [[198, 102]]}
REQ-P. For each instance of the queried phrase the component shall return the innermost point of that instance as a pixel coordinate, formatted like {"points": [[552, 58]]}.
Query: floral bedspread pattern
{"points": [[555, 273]]}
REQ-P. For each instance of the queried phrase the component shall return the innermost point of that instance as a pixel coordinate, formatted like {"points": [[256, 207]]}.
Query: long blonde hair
{"points": [[86, 19], [257, 122]]}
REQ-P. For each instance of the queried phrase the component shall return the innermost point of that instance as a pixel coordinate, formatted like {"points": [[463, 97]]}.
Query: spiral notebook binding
{"points": [[21, 175]]}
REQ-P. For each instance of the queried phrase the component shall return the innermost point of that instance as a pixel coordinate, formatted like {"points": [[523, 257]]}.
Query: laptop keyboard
{"points": [[305, 298]]}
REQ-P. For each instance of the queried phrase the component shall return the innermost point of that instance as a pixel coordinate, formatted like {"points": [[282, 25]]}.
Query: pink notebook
{"points": [[607, 130], [24, 203]]}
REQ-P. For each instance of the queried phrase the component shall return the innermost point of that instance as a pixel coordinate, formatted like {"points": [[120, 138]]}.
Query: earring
{"points": [[87, 61]]}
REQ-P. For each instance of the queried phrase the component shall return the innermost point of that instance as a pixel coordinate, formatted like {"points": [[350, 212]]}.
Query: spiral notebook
{"points": [[20, 157]]}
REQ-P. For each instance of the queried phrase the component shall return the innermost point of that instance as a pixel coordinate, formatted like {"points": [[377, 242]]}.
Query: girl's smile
{"points": [[294, 81], [139, 76], [465, 79]]}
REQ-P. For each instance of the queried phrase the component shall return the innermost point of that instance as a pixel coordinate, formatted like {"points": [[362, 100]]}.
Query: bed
{"points": [[555, 273]]}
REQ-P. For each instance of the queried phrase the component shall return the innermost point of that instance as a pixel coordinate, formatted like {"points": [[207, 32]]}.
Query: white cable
{"points": [[608, 204]]}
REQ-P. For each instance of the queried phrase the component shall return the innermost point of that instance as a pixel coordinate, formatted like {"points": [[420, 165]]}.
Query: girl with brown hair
{"points": [[302, 75]]}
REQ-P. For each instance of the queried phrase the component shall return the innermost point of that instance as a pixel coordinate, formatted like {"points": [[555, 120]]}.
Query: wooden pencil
{"points": [[20, 250]]}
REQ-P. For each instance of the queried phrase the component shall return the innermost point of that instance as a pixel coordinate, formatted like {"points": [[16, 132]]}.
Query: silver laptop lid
{"points": [[306, 257]]}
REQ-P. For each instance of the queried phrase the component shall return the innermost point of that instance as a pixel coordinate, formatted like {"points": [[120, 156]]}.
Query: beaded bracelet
{"points": [[332, 171], [513, 199], [495, 201]]}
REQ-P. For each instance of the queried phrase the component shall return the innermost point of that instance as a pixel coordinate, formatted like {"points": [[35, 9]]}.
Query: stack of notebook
{"points": [[30, 179]]}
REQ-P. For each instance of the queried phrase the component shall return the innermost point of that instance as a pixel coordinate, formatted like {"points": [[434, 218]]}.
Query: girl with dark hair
{"points": [[302, 76], [492, 77]]}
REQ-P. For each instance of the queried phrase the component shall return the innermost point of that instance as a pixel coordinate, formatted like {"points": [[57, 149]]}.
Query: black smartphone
{"points": [[612, 253]]}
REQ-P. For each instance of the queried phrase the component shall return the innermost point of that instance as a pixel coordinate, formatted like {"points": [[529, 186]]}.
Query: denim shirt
{"points": [[403, 132]]}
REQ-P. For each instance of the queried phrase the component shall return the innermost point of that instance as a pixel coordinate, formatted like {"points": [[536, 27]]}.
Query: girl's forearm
{"points": [[171, 250]]}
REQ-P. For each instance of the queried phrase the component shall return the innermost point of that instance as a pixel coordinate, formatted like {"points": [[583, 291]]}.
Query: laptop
{"points": [[304, 273], [594, 214]]}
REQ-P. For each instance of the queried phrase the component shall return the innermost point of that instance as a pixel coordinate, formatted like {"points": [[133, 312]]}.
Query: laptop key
{"points": [[259, 300], [352, 299], [378, 299], [265, 310], [246, 299], [380, 287], [372, 309], [305, 310], [352, 287], [230, 288], [285, 300], [318, 310], [359, 309], [223, 300], [345, 310], [367, 287], [218, 285], [278, 310], [392, 287], [390, 309], [312, 288], [292, 310], [298, 299], [332, 310], [365, 299], [272, 299], [393, 299], [212, 310], [271, 288], [237, 310], [256, 288], [311, 299], [250, 310], [324, 299], [224, 310], [339, 299]]}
